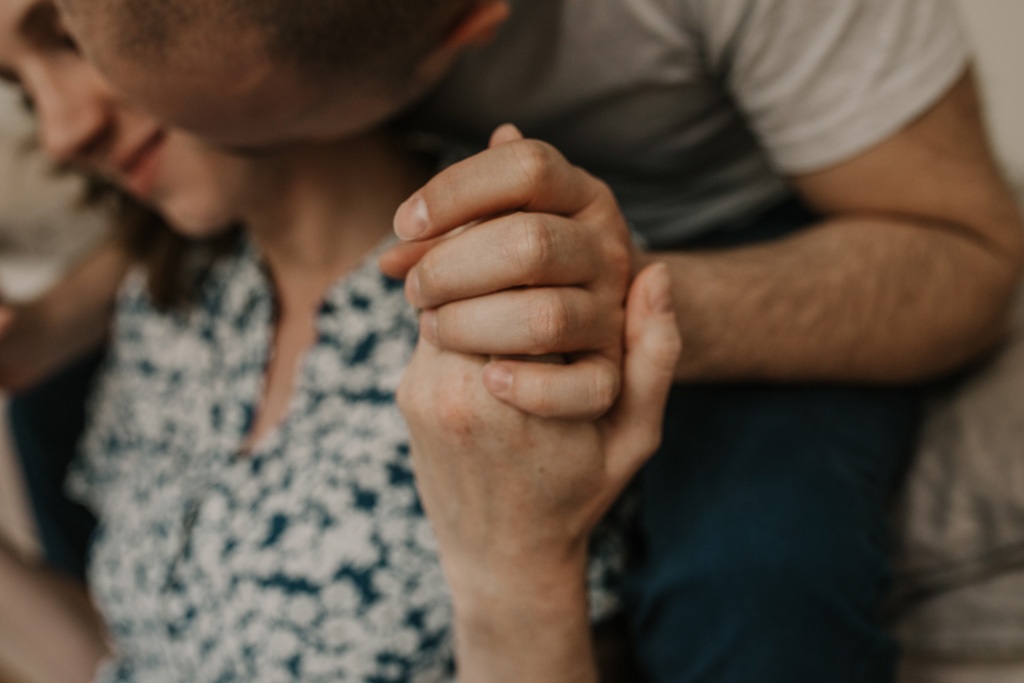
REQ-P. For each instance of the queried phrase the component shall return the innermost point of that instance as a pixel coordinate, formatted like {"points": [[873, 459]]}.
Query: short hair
{"points": [[378, 39]]}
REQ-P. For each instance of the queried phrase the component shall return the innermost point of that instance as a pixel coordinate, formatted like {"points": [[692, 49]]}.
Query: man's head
{"points": [[259, 72]]}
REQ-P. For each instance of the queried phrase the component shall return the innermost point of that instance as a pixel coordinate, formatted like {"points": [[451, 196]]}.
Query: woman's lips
{"points": [[142, 169]]}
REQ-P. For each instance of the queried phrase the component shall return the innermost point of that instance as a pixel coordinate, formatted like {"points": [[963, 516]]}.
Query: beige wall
{"points": [[996, 28], [37, 220]]}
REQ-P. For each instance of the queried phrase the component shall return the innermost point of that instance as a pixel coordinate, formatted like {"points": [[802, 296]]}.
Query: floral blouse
{"points": [[308, 559]]}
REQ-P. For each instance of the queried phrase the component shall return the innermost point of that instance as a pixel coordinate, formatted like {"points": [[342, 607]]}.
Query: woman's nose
{"points": [[73, 118]]}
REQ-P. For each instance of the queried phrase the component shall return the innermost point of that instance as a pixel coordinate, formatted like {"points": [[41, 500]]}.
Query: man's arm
{"points": [[72, 318], [909, 275]]}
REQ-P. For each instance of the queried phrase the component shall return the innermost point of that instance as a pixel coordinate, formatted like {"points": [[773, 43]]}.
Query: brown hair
{"points": [[382, 40], [175, 266]]}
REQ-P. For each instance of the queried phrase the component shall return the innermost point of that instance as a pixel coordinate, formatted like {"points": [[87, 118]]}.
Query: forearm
{"points": [[65, 323], [515, 629], [49, 630], [854, 299]]}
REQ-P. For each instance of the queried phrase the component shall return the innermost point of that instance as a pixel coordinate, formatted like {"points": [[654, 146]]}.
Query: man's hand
{"points": [[542, 268], [512, 497]]}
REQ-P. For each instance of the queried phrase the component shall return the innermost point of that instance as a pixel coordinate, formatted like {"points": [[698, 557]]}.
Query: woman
{"points": [[246, 459]]}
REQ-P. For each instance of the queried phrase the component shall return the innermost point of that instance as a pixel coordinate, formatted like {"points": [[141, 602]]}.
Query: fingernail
{"points": [[428, 325], [416, 219], [498, 379], [659, 293]]}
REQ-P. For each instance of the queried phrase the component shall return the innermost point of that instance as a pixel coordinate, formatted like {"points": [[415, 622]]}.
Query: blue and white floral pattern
{"points": [[309, 559]]}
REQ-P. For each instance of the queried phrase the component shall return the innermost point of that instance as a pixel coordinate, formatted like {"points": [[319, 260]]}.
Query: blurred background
{"points": [[42, 230]]}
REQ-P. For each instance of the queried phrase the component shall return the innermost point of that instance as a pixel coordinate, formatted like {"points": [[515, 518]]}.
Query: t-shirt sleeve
{"points": [[821, 81]]}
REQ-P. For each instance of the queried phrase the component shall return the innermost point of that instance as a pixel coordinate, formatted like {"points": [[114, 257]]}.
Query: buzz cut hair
{"points": [[383, 40]]}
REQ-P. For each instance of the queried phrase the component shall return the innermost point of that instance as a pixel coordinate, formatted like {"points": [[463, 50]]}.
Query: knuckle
{"points": [[537, 162], [604, 192], [606, 201], [453, 411], [540, 404], [550, 323], [534, 247], [406, 397], [619, 260], [428, 279], [604, 391]]}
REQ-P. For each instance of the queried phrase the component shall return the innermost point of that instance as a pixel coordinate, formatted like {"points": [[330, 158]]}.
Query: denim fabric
{"points": [[762, 545], [46, 423]]}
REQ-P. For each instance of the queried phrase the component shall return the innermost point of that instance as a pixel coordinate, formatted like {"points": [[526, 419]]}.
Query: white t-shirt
{"points": [[696, 110]]}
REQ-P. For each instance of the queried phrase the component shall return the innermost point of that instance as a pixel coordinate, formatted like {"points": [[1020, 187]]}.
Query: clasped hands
{"points": [[516, 461]]}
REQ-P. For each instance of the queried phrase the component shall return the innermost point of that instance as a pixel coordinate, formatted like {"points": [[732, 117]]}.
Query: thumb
{"points": [[504, 134], [399, 259], [653, 346]]}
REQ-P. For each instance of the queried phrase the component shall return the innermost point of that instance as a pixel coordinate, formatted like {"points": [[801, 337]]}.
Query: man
{"points": [[815, 175]]}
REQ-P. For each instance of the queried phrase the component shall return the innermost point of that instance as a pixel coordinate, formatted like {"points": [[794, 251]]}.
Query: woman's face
{"points": [[82, 123]]}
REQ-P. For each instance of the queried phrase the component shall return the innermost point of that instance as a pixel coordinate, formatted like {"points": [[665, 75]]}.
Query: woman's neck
{"points": [[318, 209], [315, 212]]}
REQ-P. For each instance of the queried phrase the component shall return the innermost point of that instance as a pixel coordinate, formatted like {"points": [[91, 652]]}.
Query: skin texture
{"points": [[222, 86], [909, 275], [924, 206], [292, 199], [512, 497], [576, 277]]}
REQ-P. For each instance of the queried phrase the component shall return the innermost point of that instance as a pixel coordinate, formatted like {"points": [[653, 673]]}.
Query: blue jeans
{"points": [[46, 423], [762, 546]]}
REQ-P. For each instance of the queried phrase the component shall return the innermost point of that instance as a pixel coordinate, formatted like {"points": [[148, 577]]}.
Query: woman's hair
{"points": [[175, 266]]}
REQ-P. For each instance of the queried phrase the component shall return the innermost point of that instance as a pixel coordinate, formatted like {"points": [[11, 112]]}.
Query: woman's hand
{"points": [[513, 497]]}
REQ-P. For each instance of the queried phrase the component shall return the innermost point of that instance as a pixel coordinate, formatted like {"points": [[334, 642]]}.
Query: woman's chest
{"points": [[237, 561]]}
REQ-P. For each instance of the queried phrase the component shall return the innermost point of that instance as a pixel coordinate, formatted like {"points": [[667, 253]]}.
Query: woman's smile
{"points": [[140, 170]]}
